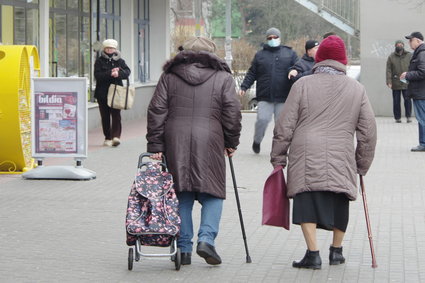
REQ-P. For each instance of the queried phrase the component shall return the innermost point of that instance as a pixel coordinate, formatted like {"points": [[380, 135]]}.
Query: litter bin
{"points": [[18, 63]]}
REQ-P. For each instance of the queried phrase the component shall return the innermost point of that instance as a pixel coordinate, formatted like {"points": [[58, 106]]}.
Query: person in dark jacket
{"points": [[269, 68], [109, 69], [415, 76], [304, 65], [194, 117], [397, 63]]}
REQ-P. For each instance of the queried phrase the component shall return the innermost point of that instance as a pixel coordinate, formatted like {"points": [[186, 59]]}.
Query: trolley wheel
{"points": [[178, 259], [130, 258]]}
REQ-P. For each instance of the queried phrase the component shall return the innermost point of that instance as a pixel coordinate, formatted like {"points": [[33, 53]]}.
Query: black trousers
{"points": [[397, 104], [111, 121]]}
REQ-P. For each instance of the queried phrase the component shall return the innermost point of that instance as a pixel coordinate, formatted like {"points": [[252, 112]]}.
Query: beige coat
{"points": [[317, 126]]}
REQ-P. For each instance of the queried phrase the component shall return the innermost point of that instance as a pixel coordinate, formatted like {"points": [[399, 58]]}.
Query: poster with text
{"points": [[56, 122]]}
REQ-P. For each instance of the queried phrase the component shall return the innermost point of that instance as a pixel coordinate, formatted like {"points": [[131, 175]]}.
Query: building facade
{"points": [[68, 34]]}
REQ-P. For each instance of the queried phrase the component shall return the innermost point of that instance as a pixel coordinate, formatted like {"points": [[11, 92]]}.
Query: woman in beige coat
{"points": [[315, 133]]}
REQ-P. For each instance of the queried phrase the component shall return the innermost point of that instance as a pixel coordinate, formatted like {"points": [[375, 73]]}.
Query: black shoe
{"points": [[256, 147], [408, 120], [186, 258], [311, 260], [335, 256], [418, 148], [398, 120], [208, 252]]}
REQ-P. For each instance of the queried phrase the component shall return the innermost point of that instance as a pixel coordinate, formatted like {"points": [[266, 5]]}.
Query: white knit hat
{"points": [[110, 43]]}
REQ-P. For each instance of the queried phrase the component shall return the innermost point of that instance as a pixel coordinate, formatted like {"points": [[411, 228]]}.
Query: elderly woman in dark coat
{"points": [[316, 133], [193, 117], [109, 69]]}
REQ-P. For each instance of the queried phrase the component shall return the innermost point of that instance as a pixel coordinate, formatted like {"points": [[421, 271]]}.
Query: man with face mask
{"points": [[397, 63], [269, 68]]}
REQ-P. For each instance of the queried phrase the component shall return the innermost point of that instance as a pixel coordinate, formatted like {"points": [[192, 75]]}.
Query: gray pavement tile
{"points": [[68, 231]]}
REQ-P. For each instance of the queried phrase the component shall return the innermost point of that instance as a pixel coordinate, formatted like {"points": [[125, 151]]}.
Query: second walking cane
{"points": [[369, 231], [248, 258]]}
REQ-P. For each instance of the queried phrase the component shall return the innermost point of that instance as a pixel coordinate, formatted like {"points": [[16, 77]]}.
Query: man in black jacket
{"points": [[415, 76], [269, 68], [304, 65]]}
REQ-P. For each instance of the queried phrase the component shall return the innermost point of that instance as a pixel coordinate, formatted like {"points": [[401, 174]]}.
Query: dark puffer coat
{"points": [[102, 72], [193, 116], [304, 67], [270, 68], [416, 74]]}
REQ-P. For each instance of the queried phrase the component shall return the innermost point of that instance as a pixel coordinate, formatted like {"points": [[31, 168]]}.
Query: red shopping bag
{"points": [[275, 201]]}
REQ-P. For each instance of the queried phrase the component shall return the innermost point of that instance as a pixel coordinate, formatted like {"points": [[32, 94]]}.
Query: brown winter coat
{"points": [[193, 116], [317, 126]]}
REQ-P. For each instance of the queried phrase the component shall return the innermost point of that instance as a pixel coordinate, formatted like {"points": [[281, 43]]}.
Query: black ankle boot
{"points": [[335, 256], [311, 260], [186, 258]]}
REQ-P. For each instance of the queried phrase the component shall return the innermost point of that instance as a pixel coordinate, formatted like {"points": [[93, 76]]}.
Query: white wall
{"points": [[127, 37], [43, 50], [382, 22], [159, 36]]}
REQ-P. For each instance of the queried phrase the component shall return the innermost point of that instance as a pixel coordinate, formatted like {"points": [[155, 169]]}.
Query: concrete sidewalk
{"points": [[73, 231]]}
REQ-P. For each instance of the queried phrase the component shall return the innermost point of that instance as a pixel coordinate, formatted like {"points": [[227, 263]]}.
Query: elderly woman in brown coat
{"points": [[194, 117], [316, 134]]}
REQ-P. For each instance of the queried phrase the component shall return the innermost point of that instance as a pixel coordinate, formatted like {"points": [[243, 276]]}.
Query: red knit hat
{"points": [[333, 48]]}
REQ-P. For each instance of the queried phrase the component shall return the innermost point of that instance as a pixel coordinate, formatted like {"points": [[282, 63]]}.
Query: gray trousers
{"points": [[265, 112]]}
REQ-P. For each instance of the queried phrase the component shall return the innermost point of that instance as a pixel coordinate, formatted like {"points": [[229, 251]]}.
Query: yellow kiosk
{"points": [[18, 64]]}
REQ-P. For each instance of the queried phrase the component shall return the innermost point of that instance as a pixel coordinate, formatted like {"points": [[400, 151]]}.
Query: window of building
{"points": [[108, 24], [141, 21], [69, 36], [19, 22]]}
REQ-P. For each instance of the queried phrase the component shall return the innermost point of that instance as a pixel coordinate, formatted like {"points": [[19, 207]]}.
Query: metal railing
{"points": [[346, 10], [344, 14]]}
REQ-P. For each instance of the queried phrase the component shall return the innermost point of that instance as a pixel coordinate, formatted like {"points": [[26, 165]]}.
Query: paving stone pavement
{"points": [[73, 231]]}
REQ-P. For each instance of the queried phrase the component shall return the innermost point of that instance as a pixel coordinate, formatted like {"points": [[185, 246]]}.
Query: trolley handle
{"points": [[149, 154]]}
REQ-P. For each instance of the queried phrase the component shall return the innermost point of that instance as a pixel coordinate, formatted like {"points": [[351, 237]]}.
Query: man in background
{"points": [[416, 87], [269, 68], [304, 65], [398, 63]]}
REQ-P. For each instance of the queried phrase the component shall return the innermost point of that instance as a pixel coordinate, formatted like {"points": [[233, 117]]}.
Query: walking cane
{"points": [[248, 258], [369, 231]]}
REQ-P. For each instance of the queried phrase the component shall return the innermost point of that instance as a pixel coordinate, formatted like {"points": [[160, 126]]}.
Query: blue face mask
{"points": [[275, 42]]}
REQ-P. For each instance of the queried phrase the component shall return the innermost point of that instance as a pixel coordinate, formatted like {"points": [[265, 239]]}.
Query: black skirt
{"points": [[327, 209]]}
